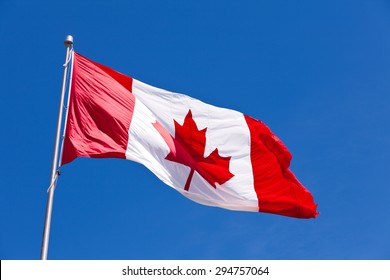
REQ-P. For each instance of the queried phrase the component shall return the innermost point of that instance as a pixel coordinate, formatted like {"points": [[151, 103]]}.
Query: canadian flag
{"points": [[214, 156]]}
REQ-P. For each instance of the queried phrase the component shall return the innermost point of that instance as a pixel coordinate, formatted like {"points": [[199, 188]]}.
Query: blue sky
{"points": [[316, 72]]}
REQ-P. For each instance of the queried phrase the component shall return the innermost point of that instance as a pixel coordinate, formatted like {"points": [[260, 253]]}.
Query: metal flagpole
{"points": [[54, 170]]}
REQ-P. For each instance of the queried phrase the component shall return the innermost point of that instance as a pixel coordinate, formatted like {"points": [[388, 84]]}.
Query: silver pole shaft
{"points": [[49, 206]]}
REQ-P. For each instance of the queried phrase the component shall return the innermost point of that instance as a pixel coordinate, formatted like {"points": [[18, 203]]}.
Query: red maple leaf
{"points": [[188, 146]]}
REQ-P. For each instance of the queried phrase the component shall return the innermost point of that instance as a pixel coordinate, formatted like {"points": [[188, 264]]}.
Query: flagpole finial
{"points": [[68, 41]]}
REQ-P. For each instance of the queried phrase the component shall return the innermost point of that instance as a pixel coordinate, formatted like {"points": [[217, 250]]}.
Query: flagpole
{"points": [[54, 170]]}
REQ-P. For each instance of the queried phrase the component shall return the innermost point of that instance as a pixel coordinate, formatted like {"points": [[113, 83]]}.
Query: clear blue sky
{"points": [[316, 72]]}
